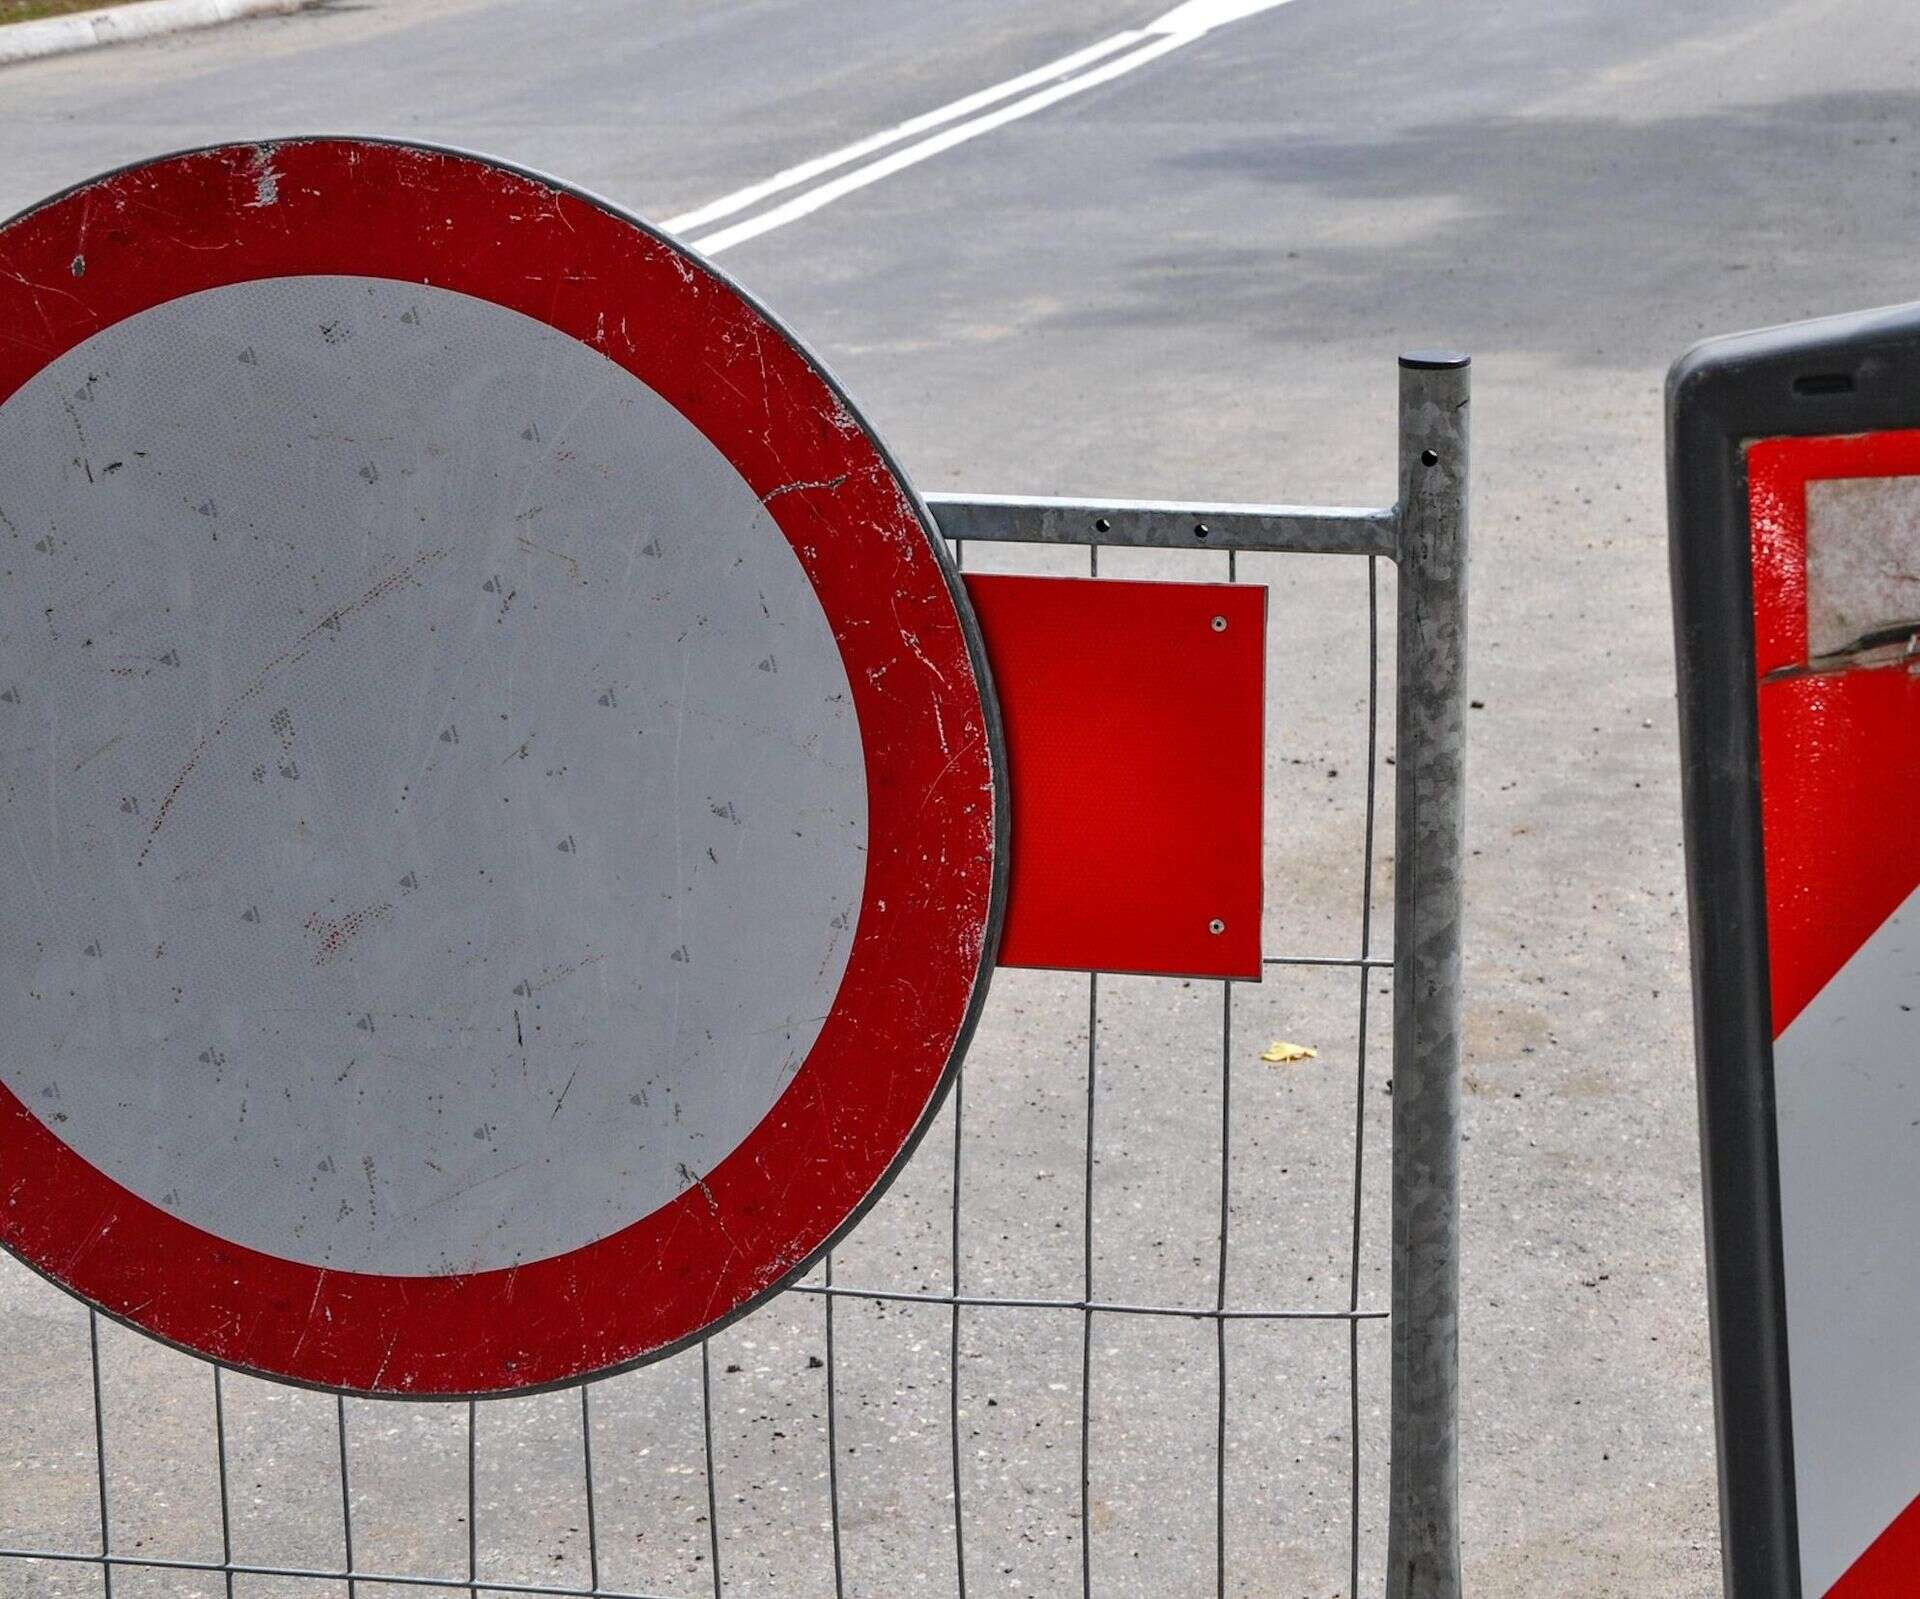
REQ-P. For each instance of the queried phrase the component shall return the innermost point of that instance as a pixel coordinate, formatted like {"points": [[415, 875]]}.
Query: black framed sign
{"points": [[1794, 495]]}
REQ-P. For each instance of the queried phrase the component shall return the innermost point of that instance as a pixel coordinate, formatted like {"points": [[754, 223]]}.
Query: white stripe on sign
{"points": [[1847, 1081], [1180, 26]]}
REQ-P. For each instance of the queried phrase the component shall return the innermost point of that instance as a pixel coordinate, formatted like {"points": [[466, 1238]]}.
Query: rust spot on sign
{"points": [[333, 935]]}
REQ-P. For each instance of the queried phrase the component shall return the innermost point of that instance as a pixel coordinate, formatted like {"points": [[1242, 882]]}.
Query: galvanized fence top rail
{"points": [[1424, 535]]}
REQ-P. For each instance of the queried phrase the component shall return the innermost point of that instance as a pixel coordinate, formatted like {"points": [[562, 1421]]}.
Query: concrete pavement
{"points": [[1192, 281]]}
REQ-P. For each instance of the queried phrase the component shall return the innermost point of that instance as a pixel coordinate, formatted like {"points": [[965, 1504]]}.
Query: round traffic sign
{"points": [[504, 844]]}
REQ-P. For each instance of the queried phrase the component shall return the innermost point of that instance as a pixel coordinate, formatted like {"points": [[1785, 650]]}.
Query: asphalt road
{"points": [[1191, 280]]}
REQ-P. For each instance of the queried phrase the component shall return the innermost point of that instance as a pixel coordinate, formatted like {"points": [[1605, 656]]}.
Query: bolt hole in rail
{"points": [[251, 728]]}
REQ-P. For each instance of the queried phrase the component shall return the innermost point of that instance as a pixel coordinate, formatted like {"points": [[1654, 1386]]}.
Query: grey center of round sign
{"points": [[434, 811]]}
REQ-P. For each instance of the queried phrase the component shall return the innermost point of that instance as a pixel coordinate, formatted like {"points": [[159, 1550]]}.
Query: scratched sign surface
{"points": [[502, 841]]}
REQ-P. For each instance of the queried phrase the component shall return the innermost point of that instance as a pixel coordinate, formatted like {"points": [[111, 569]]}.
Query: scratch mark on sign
{"points": [[100, 751], [294, 653], [795, 488], [82, 460], [313, 1308], [573, 566]]}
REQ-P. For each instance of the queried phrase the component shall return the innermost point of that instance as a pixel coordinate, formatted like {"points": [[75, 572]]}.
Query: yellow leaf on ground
{"points": [[1280, 1050]]}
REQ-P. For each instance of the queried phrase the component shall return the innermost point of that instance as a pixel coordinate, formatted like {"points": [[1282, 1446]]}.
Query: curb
{"points": [[52, 36]]}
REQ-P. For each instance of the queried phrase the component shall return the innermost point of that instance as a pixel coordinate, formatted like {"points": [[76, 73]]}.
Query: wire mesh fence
{"points": [[1119, 1327]]}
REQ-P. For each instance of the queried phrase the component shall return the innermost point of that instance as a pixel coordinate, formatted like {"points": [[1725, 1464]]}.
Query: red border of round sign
{"points": [[935, 869]]}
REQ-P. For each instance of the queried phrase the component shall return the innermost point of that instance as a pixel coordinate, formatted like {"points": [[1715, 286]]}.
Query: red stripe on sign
{"points": [[1839, 752], [1134, 728], [1890, 1569]]}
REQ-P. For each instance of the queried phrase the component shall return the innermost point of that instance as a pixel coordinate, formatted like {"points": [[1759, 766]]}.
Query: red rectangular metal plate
{"points": [[1134, 720]]}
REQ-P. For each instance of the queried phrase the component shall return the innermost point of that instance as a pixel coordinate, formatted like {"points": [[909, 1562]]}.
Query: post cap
{"points": [[1435, 360]]}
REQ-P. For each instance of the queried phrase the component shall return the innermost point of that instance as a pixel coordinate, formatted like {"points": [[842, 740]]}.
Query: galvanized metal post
{"points": [[1423, 1542]]}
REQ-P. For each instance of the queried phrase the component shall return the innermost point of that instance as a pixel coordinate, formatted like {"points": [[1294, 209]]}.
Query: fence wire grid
{"points": [[819, 1474]]}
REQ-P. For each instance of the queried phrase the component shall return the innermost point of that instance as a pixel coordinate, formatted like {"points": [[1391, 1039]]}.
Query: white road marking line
{"points": [[1180, 26], [1201, 16], [754, 193], [826, 193]]}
